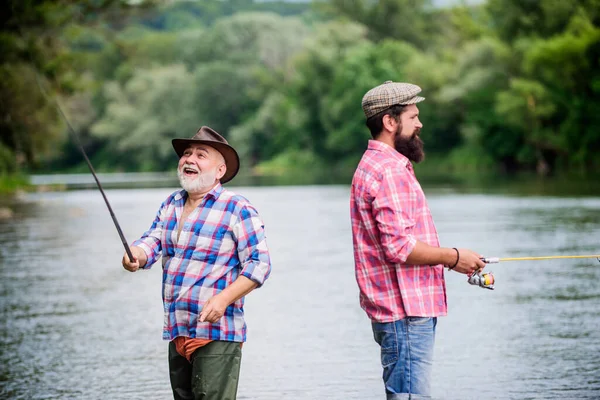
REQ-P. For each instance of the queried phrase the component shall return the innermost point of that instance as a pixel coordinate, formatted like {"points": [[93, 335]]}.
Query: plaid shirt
{"points": [[389, 214], [222, 238]]}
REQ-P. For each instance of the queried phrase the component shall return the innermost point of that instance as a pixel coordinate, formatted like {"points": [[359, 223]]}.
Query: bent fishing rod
{"points": [[54, 100], [75, 136], [486, 279]]}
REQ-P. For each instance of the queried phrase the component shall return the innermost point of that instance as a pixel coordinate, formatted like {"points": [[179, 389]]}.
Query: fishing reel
{"points": [[482, 279]]}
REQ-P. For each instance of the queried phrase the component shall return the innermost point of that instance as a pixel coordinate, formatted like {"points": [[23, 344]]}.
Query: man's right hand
{"points": [[139, 259], [468, 262]]}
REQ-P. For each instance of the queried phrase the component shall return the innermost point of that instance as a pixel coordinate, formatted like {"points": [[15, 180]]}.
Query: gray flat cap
{"points": [[388, 94]]}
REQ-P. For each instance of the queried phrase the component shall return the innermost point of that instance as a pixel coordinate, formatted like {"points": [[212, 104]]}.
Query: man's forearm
{"points": [[238, 289], [424, 254]]}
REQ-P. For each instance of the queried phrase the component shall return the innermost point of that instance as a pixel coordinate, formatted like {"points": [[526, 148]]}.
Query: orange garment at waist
{"points": [[186, 346]]}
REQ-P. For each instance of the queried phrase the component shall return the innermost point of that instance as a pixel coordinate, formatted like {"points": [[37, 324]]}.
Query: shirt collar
{"points": [[214, 192], [378, 145]]}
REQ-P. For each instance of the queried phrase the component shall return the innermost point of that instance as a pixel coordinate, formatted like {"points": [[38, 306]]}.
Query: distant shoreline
{"points": [[526, 184]]}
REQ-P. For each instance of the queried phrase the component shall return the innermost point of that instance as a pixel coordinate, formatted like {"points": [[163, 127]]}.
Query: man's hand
{"points": [[468, 262], [139, 259], [213, 309]]}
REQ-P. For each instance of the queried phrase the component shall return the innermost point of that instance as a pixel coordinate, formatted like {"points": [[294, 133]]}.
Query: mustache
{"points": [[189, 166], [415, 139]]}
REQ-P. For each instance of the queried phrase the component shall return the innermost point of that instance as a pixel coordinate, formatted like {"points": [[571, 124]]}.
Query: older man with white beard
{"points": [[214, 252]]}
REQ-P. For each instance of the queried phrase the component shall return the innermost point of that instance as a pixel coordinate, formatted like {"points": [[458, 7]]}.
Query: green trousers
{"points": [[213, 373]]}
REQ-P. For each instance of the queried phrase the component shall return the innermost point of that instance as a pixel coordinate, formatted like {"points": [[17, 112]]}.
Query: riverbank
{"points": [[526, 184], [11, 184]]}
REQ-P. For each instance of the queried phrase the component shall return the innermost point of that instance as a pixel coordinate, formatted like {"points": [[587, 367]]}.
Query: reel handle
{"points": [[490, 260]]}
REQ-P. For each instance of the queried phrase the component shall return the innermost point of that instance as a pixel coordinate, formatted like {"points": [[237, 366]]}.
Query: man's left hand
{"points": [[213, 309]]}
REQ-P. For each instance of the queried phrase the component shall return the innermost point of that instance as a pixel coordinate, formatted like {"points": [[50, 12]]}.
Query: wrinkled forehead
{"points": [[201, 147], [204, 148]]}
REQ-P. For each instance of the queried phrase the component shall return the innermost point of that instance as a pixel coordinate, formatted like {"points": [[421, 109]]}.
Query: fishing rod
{"points": [[486, 279], [87, 160], [495, 260], [75, 136]]}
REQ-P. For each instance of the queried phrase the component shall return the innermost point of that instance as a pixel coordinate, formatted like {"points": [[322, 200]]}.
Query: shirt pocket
{"points": [[209, 242]]}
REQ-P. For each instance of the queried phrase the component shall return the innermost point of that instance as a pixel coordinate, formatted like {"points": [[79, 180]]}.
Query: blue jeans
{"points": [[406, 356]]}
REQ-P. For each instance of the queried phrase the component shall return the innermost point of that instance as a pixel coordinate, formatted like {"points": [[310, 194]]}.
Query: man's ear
{"points": [[389, 123], [221, 171]]}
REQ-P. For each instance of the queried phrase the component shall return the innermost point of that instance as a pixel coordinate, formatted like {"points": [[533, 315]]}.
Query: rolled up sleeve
{"points": [[252, 247], [392, 210]]}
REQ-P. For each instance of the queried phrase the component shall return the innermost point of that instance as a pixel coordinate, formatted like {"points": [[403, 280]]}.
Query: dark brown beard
{"points": [[411, 148]]}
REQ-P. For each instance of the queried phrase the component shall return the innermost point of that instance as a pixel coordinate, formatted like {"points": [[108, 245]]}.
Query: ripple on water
{"points": [[76, 326]]}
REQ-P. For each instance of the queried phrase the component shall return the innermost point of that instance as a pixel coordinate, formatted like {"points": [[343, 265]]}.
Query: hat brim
{"points": [[412, 100], [232, 160]]}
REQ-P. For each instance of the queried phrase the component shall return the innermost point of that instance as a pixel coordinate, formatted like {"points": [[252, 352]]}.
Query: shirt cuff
{"points": [[148, 250], [407, 249], [257, 272]]}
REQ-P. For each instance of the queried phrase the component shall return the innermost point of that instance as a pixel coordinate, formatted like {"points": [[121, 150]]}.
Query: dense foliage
{"points": [[510, 84]]}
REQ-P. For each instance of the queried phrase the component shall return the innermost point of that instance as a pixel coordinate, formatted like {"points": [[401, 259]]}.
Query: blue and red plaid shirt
{"points": [[389, 214], [221, 239]]}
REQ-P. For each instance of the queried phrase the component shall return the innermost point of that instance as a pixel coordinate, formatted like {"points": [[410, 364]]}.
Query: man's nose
{"points": [[192, 158]]}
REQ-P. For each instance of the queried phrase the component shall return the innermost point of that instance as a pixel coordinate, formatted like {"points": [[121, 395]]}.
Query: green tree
{"points": [[412, 21], [142, 117], [290, 118], [248, 39], [34, 54], [483, 69], [514, 19], [554, 102]]}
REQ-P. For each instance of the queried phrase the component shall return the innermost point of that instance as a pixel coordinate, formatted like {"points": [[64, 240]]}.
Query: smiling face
{"points": [[200, 168]]}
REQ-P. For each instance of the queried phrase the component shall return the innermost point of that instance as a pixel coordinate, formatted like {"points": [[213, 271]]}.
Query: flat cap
{"points": [[389, 94]]}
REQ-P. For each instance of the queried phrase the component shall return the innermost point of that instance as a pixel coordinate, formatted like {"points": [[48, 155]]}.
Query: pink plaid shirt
{"points": [[389, 214]]}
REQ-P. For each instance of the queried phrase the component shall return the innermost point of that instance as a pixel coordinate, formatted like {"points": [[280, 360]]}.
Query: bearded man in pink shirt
{"points": [[398, 259]]}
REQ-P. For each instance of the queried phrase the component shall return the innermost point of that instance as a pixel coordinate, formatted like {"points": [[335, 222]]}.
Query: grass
{"points": [[11, 183]]}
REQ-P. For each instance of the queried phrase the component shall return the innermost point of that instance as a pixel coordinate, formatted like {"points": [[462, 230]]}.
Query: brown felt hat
{"points": [[210, 137]]}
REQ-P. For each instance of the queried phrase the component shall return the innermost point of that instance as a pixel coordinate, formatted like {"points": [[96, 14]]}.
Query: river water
{"points": [[75, 325]]}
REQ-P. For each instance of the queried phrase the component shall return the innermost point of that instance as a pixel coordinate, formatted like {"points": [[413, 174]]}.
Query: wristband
{"points": [[450, 268]]}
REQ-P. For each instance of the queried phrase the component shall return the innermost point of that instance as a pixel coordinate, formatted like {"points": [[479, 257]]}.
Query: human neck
{"points": [[387, 139], [195, 198]]}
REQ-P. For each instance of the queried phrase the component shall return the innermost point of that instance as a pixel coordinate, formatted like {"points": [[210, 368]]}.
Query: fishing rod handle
{"points": [[128, 251], [490, 260]]}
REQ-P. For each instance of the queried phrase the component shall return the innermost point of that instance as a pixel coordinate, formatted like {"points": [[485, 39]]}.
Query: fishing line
{"points": [[87, 160], [74, 135], [54, 99]]}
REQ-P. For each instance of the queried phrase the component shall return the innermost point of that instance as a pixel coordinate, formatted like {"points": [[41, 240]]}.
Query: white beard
{"points": [[200, 183]]}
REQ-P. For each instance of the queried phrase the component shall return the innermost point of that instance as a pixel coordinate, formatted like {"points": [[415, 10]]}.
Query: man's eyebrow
{"points": [[204, 149]]}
